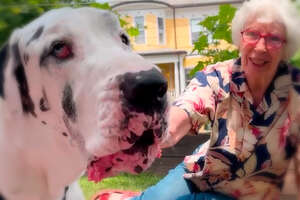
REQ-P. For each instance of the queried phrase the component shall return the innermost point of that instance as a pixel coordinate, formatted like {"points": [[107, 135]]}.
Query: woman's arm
{"points": [[179, 126]]}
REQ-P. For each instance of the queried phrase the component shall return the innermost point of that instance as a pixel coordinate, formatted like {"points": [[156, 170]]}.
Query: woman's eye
{"points": [[125, 39], [274, 38], [61, 50], [252, 34]]}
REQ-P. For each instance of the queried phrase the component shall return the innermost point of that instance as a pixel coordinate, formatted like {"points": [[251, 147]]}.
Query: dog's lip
{"points": [[135, 159], [113, 164]]}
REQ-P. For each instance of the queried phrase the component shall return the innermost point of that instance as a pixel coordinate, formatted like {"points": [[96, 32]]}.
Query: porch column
{"points": [[182, 74], [176, 78]]}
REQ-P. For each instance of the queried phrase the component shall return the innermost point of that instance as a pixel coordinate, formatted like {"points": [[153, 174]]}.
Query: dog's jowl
{"points": [[75, 99]]}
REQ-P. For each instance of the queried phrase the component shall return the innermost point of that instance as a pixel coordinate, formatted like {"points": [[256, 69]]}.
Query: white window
{"points": [[139, 23], [161, 30], [196, 28]]}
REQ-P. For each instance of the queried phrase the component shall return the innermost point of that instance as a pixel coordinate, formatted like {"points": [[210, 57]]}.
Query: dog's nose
{"points": [[145, 90]]}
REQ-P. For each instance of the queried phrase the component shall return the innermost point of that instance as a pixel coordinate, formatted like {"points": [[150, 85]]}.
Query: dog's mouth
{"points": [[143, 149], [134, 126]]}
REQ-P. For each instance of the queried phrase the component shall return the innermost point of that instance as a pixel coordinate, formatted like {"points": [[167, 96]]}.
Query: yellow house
{"points": [[168, 29]]}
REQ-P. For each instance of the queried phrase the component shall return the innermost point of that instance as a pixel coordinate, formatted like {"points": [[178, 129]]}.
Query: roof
{"points": [[174, 3], [162, 52]]}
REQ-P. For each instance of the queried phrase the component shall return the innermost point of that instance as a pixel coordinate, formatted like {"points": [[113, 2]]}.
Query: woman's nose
{"points": [[261, 44]]}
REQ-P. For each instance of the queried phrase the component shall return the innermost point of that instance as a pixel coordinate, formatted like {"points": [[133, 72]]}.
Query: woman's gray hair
{"points": [[281, 11]]}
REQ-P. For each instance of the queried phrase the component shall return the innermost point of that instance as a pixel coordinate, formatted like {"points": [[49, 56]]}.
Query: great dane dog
{"points": [[75, 99]]}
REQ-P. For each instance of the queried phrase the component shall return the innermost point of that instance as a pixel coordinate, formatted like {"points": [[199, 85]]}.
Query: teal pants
{"points": [[175, 187]]}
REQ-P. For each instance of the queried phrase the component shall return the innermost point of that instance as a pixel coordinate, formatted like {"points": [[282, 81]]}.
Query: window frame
{"points": [[163, 31], [200, 18], [143, 41]]}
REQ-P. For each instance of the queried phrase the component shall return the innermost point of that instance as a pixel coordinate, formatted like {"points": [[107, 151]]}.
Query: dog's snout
{"points": [[149, 84], [145, 89]]}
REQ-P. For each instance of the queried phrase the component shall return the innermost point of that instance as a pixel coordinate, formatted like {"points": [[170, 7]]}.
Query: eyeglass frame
{"points": [[283, 41]]}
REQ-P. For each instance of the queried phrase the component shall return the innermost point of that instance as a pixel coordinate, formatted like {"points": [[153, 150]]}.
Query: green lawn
{"points": [[123, 181]]}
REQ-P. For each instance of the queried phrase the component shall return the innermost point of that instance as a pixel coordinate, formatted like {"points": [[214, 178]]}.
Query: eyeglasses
{"points": [[272, 41]]}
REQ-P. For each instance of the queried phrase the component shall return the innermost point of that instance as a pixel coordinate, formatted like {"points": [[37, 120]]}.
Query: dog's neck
{"points": [[63, 198], [31, 151]]}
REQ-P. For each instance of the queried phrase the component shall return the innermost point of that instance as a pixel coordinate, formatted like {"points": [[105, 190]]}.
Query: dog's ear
{"points": [[13, 81], [3, 62], [20, 76]]}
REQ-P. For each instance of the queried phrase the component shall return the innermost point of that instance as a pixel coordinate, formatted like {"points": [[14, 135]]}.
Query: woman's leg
{"points": [[170, 187], [205, 196], [175, 187]]}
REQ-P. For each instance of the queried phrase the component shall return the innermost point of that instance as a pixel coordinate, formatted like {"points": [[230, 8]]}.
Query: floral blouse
{"points": [[250, 147]]}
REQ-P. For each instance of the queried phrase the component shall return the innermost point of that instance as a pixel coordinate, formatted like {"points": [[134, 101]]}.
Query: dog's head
{"points": [[72, 71]]}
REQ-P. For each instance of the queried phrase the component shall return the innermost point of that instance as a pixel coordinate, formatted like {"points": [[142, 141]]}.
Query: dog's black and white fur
{"points": [[72, 93]]}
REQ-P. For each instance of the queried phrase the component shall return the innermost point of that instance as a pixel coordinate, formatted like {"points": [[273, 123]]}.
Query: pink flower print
{"points": [[220, 94], [196, 168], [196, 125], [256, 131], [283, 132], [240, 94], [199, 107], [266, 164], [229, 70], [236, 193]]}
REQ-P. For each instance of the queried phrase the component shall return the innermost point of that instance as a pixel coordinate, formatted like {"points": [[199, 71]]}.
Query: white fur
{"points": [[37, 161]]}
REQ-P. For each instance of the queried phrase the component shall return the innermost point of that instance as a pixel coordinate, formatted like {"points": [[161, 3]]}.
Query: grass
{"points": [[123, 181]]}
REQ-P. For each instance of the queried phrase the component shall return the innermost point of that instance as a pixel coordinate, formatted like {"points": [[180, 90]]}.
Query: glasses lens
{"points": [[251, 36], [274, 41]]}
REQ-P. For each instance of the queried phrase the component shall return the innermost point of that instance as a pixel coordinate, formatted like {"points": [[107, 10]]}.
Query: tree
{"points": [[296, 59], [216, 30], [16, 13]]}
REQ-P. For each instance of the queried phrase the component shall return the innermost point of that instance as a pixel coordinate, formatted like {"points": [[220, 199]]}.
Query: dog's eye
{"points": [[124, 39], [61, 50]]}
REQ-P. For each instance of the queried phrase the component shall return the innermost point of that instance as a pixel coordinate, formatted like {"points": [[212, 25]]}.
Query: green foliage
{"points": [[296, 60], [123, 181], [104, 6], [16, 13], [132, 31], [216, 28]]}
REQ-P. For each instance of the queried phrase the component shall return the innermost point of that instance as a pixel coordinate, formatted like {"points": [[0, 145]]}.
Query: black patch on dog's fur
{"points": [[27, 103], [36, 35], [43, 57], [4, 53], [108, 169], [65, 193], [26, 58], [142, 143], [68, 103], [1, 197], [138, 169], [44, 104]]}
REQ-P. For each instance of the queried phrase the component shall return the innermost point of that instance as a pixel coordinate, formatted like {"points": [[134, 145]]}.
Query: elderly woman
{"points": [[253, 105]]}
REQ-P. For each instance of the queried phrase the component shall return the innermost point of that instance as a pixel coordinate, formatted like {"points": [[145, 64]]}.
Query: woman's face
{"points": [[259, 47]]}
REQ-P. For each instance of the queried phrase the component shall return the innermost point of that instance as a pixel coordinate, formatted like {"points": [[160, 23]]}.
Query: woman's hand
{"points": [[179, 125]]}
